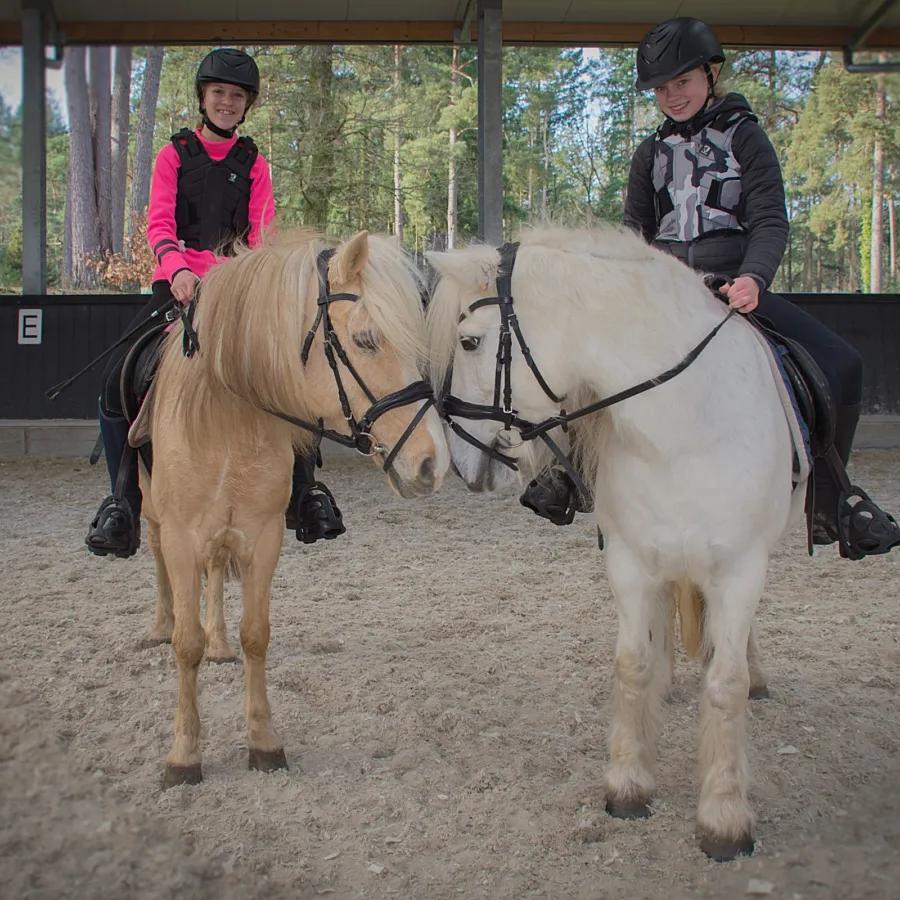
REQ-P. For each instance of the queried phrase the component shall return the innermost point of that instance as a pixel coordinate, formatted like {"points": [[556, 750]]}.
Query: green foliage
{"points": [[328, 120]]}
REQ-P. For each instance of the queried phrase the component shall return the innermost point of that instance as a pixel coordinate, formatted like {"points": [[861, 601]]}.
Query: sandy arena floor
{"points": [[440, 677]]}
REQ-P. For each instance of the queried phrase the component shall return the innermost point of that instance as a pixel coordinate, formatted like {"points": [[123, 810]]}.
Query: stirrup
{"points": [[552, 496], [113, 530], [864, 529], [317, 515]]}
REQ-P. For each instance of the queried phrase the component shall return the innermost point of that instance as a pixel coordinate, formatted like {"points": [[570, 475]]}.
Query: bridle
{"points": [[360, 437], [510, 419]]}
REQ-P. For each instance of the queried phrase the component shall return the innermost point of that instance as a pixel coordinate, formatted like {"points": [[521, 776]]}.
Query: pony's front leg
{"points": [[641, 680], [183, 765], [165, 619], [265, 746], [724, 816], [218, 649]]}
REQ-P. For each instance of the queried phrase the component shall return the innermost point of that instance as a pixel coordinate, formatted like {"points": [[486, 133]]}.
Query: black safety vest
{"points": [[212, 205]]}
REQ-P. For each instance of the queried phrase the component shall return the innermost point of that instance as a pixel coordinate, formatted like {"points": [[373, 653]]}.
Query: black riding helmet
{"points": [[227, 66], [673, 48]]}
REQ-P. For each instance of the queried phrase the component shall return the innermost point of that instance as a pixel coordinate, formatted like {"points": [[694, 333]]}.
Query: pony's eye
{"points": [[365, 340], [468, 343]]}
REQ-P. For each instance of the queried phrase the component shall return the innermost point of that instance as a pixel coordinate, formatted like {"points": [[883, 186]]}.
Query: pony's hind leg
{"points": [[641, 680], [165, 619], [183, 765], [218, 649], [724, 816], [265, 746], [759, 688]]}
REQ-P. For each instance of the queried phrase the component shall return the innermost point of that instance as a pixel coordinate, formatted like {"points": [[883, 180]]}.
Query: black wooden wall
{"points": [[77, 328]]}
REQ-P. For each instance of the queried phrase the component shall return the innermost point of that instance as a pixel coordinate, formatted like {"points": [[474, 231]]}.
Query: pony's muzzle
{"points": [[420, 479], [427, 474]]}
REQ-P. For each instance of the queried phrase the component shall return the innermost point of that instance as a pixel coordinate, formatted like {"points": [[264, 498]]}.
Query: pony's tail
{"points": [[690, 607]]}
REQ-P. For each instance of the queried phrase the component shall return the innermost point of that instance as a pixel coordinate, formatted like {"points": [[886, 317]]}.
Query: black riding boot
{"points": [[312, 512], [116, 526], [852, 515], [553, 495]]}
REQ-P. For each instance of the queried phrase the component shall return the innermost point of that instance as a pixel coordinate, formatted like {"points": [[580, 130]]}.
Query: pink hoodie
{"points": [[161, 213]]}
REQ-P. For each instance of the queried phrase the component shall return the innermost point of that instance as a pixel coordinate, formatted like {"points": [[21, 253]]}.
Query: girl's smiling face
{"points": [[225, 104], [682, 97]]}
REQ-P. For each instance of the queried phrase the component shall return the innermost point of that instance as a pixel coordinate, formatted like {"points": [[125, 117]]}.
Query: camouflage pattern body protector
{"points": [[697, 180]]}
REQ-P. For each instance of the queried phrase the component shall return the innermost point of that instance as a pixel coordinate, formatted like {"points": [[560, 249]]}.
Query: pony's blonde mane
{"points": [[253, 316]]}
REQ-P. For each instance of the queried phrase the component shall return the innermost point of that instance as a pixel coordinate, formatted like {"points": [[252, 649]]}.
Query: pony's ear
{"points": [[351, 259], [464, 268]]}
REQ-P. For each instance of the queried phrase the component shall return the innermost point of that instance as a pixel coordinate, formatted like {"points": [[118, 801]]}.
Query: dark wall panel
{"points": [[78, 328], [871, 323]]}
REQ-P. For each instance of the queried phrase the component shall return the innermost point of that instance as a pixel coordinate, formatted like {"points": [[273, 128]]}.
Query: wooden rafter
{"points": [[583, 34]]}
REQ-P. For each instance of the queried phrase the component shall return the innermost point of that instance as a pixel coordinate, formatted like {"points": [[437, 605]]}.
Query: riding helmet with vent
{"points": [[228, 66], [673, 48]]}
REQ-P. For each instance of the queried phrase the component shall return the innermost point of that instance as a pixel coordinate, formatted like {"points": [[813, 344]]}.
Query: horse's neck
{"points": [[623, 344], [207, 412]]}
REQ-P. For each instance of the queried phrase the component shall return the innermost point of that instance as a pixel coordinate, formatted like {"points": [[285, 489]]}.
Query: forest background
{"points": [[385, 138]]}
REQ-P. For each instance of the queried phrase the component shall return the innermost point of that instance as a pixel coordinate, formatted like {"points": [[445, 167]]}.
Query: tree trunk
{"points": [[545, 147], [892, 225], [121, 109], [398, 143], [101, 118], [143, 142], [452, 178], [875, 282], [820, 252], [321, 124], [85, 238], [66, 274]]}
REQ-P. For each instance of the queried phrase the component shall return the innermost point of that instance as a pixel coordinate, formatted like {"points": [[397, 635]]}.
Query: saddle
{"points": [[138, 372], [138, 369], [809, 385]]}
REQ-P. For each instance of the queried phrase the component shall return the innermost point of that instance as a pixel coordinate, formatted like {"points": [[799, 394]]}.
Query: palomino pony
{"points": [[287, 335], [693, 476]]}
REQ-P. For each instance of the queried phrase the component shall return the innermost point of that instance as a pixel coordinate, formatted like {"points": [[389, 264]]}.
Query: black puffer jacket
{"points": [[755, 251]]}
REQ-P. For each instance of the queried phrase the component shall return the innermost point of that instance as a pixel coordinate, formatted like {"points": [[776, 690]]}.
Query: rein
{"points": [[505, 414], [360, 437]]}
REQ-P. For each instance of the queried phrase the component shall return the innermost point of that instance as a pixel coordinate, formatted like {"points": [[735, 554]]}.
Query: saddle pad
{"points": [[799, 432]]}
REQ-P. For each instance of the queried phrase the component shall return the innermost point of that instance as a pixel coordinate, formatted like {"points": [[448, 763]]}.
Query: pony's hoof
{"points": [[267, 760], [760, 692], [149, 642], [627, 809], [719, 850], [176, 775]]}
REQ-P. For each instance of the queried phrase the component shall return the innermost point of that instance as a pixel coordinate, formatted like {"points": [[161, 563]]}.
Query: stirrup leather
{"points": [[317, 515]]}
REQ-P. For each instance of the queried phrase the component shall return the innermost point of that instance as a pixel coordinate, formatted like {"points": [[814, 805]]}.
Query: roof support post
{"points": [[490, 121], [34, 150]]}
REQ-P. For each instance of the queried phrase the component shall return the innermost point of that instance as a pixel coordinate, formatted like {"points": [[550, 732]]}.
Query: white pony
{"points": [[693, 477]]}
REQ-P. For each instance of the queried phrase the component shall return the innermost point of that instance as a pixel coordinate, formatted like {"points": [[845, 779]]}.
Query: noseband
{"points": [[360, 437], [508, 417]]}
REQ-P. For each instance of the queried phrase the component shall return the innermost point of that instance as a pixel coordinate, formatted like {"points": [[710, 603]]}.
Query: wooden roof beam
{"points": [[584, 34]]}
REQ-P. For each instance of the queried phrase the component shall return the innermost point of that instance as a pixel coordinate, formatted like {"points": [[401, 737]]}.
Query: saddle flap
{"points": [[810, 387], [139, 432]]}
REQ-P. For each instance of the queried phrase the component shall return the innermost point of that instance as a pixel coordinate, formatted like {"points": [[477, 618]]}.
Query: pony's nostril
{"points": [[426, 471]]}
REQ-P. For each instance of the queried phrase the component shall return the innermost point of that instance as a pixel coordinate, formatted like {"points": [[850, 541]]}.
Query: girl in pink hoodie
{"points": [[210, 189]]}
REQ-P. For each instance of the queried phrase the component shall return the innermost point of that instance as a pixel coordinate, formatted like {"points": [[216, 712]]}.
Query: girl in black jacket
{"points": [[707, 188]]}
